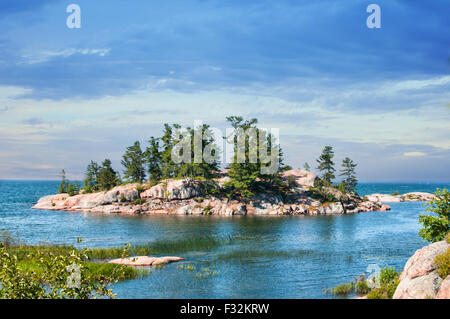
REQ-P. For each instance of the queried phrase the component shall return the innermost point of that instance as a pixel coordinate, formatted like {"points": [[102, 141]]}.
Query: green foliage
{"points": [[91, 179], [140, 201], [342, 289], [322, 194], [133, 160], [107, 176], [167, 246], [63, 186], [395, 193], [388, 282], [154, 161], [208, 164], [442, 263], [349, 175], [306, 167], [362, 287], [48, 276], [326, 164], [248, 172], [435, 228]]}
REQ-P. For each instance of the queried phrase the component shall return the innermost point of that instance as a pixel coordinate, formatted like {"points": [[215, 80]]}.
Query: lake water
{"points": [[269, 256]]}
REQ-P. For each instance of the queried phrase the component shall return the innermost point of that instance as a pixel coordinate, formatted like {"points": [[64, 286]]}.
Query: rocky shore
{"points": [[420, 278], [188, 197]]}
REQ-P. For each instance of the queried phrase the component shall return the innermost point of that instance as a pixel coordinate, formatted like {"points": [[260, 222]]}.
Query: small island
{"points": [[201, 188]]}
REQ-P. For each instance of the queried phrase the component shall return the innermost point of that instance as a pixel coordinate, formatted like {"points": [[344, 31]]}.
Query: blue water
{"points": [[315, 252]]}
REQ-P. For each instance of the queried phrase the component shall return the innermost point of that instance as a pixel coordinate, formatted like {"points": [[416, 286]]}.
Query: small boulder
{"points": [[144, 261]]}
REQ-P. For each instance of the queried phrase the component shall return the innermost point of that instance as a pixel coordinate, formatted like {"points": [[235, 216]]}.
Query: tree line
{"points": [[155, 162]]}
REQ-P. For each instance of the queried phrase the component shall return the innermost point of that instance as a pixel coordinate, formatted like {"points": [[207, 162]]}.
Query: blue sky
{"points": [[311, 68]]}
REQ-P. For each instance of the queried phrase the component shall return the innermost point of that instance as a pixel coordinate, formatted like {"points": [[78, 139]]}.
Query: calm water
{"points": [[307, 254]]}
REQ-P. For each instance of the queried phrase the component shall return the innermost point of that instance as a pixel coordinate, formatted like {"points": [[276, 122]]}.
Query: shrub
{"points": [[443, 263], [388, 282], [362, 287], [140, 201], [395, 193], [140, 188], [342, 289], [122, 198], [436, 228]]}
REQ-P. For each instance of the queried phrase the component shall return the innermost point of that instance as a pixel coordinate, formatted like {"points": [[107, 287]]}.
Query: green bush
{"points": [[436, 228], [388, 282], [443, 263], [140, 201], [342, 289], [362, 287]]}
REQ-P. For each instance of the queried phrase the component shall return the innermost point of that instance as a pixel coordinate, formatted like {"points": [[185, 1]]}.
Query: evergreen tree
{"points": [[91, 179], [247, 176], [207, 167], [348, 172], [133, 160], [326, 165], [63, 186], [307, 167], [154, 160], [168, 167], [107, 177]]}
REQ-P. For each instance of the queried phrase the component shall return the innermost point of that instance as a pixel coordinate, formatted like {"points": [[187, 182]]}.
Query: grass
{"points": [[29, 261], [342, 289], [442, 262], [261, 253], [174, 246], [386, 283]]}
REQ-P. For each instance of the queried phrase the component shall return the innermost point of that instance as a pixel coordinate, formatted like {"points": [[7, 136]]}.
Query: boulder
{"points": [[144, 261], [302, 178], [419, 278], [174, 189], [408, 197], [444, 290]]}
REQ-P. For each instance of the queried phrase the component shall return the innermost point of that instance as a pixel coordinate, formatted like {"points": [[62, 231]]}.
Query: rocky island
{"points": [[189, 197]]}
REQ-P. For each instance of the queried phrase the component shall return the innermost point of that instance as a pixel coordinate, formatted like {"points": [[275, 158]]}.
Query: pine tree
{"points": [[247, 176], [91, 179], [63, 186], [154, 160], [326, 165], [307, 167], [133, 160], [107, 176], [206, 167], [348, 172], [168, 166]]}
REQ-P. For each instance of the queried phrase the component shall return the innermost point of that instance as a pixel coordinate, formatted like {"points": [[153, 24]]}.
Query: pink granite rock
{"points": [[419, 278], [144, 261]]}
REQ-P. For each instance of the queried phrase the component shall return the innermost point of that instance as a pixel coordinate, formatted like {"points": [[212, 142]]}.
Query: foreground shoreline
{"points": [[188, 197]]}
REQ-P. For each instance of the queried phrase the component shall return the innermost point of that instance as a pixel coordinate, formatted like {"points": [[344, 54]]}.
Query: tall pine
{"points": [[326, 165], [349, 175], [133, 161]]}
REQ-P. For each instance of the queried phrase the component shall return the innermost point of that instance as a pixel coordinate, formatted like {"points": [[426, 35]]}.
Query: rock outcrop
{"points": [[408, 197], [144, 261], [189, 197], [420, 279]]}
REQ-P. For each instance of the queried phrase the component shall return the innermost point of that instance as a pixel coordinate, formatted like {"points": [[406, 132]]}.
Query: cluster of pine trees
{"points": [[248, 175], [347, 172], [156, 162]]}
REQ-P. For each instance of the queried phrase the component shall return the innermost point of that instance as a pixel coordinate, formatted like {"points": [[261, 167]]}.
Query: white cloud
{"points": [[414, 154], [45, 56]]}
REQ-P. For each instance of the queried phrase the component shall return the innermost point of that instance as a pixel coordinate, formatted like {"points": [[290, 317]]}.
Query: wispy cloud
{"points": [[44, 56]]}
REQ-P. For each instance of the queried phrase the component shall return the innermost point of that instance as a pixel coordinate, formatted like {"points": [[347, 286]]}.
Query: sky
{"points": [[313, 69]]}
